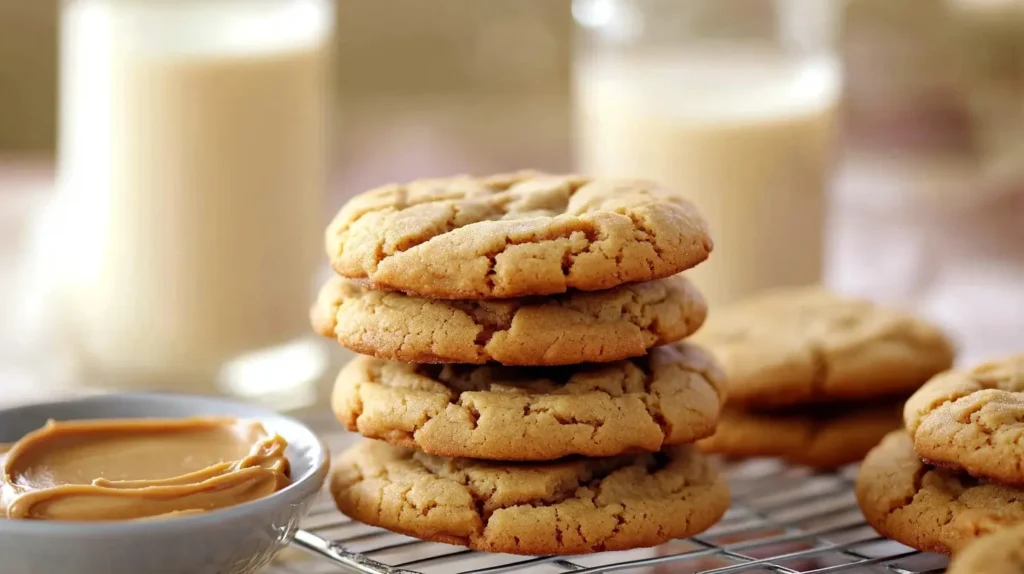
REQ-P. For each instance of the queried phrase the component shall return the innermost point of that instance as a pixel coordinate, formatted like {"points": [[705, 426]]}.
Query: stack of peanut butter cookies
{"points": [[956, 472], [816, 378], [523, 381]]}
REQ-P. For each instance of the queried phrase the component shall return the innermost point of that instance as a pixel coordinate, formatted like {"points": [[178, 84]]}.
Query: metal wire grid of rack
{"points": [[783, 519]]}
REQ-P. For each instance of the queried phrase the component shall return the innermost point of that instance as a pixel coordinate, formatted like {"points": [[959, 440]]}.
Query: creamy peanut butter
{"points": [[124, 469]]}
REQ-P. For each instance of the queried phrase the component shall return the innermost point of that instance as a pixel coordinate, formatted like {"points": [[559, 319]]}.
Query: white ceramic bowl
{"points": [[234, 540]]}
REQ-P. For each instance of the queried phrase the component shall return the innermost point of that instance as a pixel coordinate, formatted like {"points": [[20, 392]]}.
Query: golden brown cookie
{"points": [[571, 506], [513, 235], [671, 396], [818, 437], [1001, 552], [576, 327], [931, 509], [806, 345], [973, 420]]}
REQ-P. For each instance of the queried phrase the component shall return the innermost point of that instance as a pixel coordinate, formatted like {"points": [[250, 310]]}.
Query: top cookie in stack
{"points": [[514, 235], [523, 318]]}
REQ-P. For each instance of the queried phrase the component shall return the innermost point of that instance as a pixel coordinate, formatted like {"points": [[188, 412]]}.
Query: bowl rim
{"points": [[315, 476]]}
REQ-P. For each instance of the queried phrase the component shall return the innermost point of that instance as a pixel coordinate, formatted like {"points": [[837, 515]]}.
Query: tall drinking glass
{"points": [[733, 103], [193, 150]]}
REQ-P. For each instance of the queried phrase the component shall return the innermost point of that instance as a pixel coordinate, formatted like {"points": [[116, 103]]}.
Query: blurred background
{"points": [[167, 168]]}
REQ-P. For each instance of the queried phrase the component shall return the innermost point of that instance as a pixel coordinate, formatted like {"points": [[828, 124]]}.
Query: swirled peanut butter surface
{"points": [[124, 469]]}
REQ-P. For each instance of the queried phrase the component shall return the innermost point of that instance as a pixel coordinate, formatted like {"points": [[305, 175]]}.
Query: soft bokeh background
{"points": [[926, 210], [422, 88]]}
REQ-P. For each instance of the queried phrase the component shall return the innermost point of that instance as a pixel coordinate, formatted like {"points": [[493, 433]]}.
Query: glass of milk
{"points": [[192, 164], [733, 103]]}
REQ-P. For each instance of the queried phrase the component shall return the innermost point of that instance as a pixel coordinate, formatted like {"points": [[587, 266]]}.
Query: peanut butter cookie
{"points": [[973, 420], [807, 345], [1001, 552], [566, 507], [576, 327], [513, 235], [823, 438], [671, 396], [931, 509]]}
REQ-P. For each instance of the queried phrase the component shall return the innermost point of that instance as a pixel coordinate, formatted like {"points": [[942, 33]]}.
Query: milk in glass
{"points": [[746, 137], [731, 103], [192, 166]]}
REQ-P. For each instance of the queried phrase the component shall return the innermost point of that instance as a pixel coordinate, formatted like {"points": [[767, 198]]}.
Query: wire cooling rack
{"points": [[783, 519]]}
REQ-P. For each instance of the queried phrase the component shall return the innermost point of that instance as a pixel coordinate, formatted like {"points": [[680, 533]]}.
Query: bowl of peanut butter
{"points": [[160, 483]]}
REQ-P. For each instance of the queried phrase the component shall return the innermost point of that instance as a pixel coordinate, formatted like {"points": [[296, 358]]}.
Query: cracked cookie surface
{"points": [[928, 508], [822, 438], [1001, 552], [973, 419], [513, 235], [570, 506], [671, 396], [571, 328], [807, 345]]}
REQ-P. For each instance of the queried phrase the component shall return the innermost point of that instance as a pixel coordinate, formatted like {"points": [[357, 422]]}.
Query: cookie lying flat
{"points": [[822, 438], [973, 420], [1001, 552], [931, 509], [565, 507], [671, 396], [577, 327], [806, 345], [513, 235]]}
